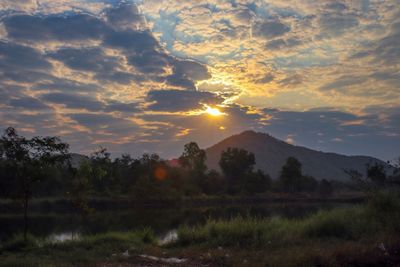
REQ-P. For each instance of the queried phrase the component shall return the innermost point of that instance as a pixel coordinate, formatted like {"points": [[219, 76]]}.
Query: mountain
{"points": [[271, 155]]}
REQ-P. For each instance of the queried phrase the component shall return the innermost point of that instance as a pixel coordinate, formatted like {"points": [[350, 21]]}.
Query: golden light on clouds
{"points": [[215, 112]]}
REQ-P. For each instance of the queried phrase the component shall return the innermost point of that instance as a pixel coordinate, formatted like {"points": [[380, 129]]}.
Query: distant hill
{"points": [[271, 154]]}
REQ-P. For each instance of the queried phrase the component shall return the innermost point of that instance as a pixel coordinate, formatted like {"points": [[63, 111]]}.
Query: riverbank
{"points": [[65, 205], [354, 236]]}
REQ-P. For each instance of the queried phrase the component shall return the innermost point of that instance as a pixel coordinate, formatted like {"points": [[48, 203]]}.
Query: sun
{"points": [[213, 111]]}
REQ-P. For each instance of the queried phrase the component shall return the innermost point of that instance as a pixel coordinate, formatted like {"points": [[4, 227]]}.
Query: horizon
{"points": [[150, 76], [115, 155]]}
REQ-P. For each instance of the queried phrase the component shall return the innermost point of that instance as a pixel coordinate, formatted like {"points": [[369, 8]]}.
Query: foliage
{"points": [[325, 187], [235, 164], [27, 161], [292, 180], [376, 173], [256, 182], [193, 158]]}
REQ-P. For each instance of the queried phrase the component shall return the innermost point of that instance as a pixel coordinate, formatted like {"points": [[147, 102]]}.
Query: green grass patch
{"points": [[381, 215], [80, 252]]}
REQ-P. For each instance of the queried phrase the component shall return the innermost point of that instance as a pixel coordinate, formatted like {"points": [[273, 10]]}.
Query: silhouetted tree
{"points": [[307, 183], [376, 173], [28, 160], [256, 182], [291, 175], [235, 164], [193, 158], [325, 187], [81, 186], [213, 183]]}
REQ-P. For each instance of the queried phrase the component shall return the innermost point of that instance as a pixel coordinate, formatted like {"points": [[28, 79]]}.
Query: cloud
{"points": [[26, 102], [270, 28], [86, 59], [337, 19], [179, 100], [68, 28], [342, 83], [266, 79], [23, 57], [322, 130], [125, 16], [130, 76], [74, 101], [279, 44]]}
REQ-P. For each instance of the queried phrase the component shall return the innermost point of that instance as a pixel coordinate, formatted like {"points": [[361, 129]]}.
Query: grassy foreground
{"points": [[362, 235]]}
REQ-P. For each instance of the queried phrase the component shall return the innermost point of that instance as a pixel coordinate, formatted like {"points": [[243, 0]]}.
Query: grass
{"points": [[380, 215], [80, 252], [328, 238], [339, 237]]}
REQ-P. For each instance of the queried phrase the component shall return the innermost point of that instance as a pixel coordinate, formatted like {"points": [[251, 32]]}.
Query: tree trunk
{"points": [[26, 201]]}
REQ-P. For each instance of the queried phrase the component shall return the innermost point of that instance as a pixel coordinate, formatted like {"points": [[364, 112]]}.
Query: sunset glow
{"points": [[151, 75], [214, 111]]}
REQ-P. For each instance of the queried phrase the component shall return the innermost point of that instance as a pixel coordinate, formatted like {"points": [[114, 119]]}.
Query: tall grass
{"points": [[82, 251], [381, 215]]}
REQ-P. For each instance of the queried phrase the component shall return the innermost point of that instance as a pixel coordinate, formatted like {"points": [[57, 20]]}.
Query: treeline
{"points": [[43, 166]]}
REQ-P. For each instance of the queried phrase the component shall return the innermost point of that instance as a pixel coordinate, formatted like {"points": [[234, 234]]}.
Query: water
{"points": [[58, 227]]}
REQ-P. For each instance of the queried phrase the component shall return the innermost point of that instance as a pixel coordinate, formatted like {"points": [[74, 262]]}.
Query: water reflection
{"points": [[61, 227], [62, 237], [167, 238]]}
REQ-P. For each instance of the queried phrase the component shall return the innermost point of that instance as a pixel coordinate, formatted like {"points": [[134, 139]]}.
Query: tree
{"points": [[213, 183], [325, 187], [235, 164], [103, 178], [376, 173], [256, 182], [193, 158], [291, 175], [81, 186], [28, 160]]}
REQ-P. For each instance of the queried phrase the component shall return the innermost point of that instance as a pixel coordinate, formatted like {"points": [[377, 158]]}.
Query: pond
{"points": [[61, 227]]}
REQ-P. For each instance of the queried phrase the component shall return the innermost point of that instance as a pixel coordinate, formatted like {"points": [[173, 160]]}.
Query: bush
{"points": [[17, 243], [335, 224]]}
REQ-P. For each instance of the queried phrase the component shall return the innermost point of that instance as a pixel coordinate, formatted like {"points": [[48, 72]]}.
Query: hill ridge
{"points": [[271, 153]]}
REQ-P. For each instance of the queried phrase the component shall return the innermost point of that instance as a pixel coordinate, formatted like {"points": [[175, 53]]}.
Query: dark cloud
{"points": [[86, 59], [132, 41], [119, 77], [191, 70], [342, 82], [121, 107], [279, 44], [180, 100], [24, 76], [271, 29], [62, 28], [27, 102], [388, 48], [58, 84], [125, 16], [291, 80], [105, 124], [119, 30], [73, 101], [336, 19], [150, 62], [14, 56], [266, 79]]}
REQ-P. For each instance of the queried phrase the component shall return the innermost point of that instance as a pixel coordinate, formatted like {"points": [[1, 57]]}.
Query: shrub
{"points": [[17, 243]]}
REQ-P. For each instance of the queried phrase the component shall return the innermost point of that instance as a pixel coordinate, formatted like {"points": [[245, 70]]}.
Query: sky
{"points": [[146, 76]]}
